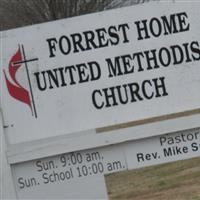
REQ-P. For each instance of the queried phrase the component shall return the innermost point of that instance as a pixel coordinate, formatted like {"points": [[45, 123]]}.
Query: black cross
{"points": [[26, 61]]}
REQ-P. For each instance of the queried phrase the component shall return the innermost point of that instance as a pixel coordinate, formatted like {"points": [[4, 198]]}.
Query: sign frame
{"points": [[47, 132]]}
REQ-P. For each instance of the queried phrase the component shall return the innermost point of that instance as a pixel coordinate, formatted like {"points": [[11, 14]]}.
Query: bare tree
{"points": [[16, 13]]}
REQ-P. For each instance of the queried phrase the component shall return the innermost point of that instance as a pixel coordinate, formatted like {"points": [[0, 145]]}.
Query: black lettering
{"points": [[151, 58], [163, 62], [144, 89], [154, 21], [114, 40], [110, 98], [125, 100], [92, 66], [140, 157], [21, 183], [134, 92], [52, 47], [101, 37], [71, 69], [126, 63], [176, 49], [94, 99], [65, 39], [188, 58], [89, 39], [169, 26], [114, 69], [45, 177], [77, 39], [167, 152], [184, 26], [61, 70], [142, 26], [124, 28], [194, 146], [53, 78], [37, 76], [160, 86], [83, 77], [195, 49], [39, 165], [138, 56]]}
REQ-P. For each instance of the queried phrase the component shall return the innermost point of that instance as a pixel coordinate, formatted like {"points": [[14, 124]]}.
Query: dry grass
{"points": [[175, 181]]}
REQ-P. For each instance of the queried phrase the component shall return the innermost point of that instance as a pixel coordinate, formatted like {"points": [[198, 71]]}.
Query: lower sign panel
{"points": [[72, 175]]}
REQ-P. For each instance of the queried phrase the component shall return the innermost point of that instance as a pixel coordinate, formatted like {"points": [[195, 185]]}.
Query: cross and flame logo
{"points": [[15, 89]]}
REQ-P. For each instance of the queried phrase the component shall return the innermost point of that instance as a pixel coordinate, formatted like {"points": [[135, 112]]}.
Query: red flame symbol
{"points": [[17, 91]]}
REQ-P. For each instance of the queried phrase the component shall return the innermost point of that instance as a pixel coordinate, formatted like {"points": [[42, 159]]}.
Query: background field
{"points": [[175, 181]]}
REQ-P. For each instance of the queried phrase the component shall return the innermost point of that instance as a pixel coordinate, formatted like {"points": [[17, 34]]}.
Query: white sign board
{"points": [[102, 69], [76, 172]]}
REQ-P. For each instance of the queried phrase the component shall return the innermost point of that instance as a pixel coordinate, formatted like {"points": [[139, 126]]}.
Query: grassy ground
{"points": [[175, 181]]}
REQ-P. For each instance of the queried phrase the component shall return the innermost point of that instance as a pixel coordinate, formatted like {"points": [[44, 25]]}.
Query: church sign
{"points": [[99, 70]]}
